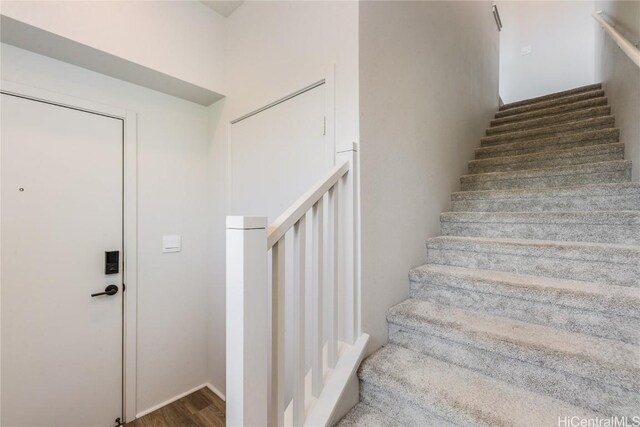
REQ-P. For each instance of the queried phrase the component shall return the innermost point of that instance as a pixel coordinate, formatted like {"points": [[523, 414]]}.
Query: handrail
{"points": [[627, 47], [496, 16], [327, 344], [301, 206]]}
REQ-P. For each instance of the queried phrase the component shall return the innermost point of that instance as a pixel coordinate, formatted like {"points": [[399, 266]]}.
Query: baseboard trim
{"points": [[216, 391], [173, 399]]}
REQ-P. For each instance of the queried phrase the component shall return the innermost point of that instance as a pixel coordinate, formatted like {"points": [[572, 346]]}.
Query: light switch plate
{"points": [[526, 50], [172, 243]]}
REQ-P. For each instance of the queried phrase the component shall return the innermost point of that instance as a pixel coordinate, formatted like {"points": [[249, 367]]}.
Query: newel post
{"points": [[248, 324], [349, 257]]}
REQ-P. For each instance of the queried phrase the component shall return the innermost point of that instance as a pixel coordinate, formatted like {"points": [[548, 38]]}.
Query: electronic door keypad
{"points": [[112, 262]]}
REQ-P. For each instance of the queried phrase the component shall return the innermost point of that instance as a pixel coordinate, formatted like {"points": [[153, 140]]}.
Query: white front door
{"points": [[61, 210]]}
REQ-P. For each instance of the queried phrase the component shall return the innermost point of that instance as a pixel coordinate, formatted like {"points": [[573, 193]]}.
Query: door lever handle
{"points": [[109, 290]]}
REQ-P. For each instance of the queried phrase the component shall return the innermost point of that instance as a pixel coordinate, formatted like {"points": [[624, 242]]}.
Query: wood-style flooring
{"points": [[201, 408]]}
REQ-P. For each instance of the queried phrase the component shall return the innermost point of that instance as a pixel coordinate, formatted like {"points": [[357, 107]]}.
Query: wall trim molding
{"points": [[170, 400], [216, 391], [180, 396]]}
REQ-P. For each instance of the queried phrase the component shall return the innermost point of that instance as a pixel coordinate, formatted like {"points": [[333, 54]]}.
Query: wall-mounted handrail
{"points": [[496, 16], [300, 207], [627, 47]]}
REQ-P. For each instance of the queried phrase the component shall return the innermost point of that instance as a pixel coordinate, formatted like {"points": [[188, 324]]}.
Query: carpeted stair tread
{"points": [[594, 262], [543, 105], [454, 394], [552, 96], [583, 370], [579, 217], [363, 415], [602, 122], [615, 196], [528, 307], [601, 310], [547, 159], [551, 120], [605, 298], [564, 176], [550, 111], [582, 226], [607, 361], [554, 143]]}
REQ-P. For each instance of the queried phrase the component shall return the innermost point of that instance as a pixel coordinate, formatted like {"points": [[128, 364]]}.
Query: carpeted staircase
{"points": [[528, 308]]}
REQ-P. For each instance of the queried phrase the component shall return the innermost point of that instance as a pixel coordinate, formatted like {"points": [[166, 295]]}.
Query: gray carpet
{"points": [[528, 308]]}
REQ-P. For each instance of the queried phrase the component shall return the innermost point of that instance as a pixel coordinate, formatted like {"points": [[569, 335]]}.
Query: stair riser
{"points": [[596, 233], [565, 314], [575, 203], [504, 165], [612, 176], [363, 415], [546, 132], [589, 103], [549, 144], [526, 106], [540, 106], [394, 403], [548, 263], [509, 365], [531, 289], [550, 120], [534, 149]]}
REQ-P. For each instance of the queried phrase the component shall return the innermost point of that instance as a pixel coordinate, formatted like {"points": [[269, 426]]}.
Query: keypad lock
{"points": [[112, 262]]}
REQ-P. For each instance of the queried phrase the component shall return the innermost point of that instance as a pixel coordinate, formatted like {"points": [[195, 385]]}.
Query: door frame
{"points": [[130, 222]]}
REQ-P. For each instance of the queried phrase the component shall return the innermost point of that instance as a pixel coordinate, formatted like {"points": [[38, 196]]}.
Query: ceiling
{"points": [[223, 7]]}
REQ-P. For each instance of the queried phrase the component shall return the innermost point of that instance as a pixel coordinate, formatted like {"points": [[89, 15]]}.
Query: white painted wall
{"points": [[428, 88], [183, 39], [620, 76], [173, 194], [424, 107], [274, 49], [560, 36]]}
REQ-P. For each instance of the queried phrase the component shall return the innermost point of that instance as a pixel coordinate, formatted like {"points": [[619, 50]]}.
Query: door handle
{"points": [[109, 290]]}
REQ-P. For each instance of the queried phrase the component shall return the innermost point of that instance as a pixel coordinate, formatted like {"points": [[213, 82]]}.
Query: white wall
{"points": [[183, 39], [274, 49], [560, 34], [424, 106], [620, 76], [173, 194], [428, 88]]}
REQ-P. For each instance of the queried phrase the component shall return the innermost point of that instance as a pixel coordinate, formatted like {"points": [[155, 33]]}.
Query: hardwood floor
{"points": [[198, 409]]}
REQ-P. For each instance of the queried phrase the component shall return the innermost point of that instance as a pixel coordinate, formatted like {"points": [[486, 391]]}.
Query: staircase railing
{"points": [[256, 371], [625, 45]]}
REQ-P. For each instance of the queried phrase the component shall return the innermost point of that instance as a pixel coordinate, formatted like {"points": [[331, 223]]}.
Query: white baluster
{"points": [[318, 302], [277, 333], [332, 289], [299, 244]]}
